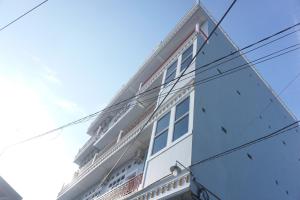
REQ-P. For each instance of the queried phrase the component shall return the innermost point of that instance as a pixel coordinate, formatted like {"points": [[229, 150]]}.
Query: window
{"points": [[181, 123], [186, 58], [161, 133], [171, 73]]}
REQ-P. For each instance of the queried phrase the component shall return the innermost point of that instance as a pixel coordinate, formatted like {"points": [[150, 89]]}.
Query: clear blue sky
{"points": [[73, 56]]}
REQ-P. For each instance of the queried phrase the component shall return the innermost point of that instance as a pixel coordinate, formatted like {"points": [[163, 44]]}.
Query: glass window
{"points": [[182, 108], [186, 58], [181, 124], [162, 124], [160, 142], [171, 73], [181, 127], [161, 133]]}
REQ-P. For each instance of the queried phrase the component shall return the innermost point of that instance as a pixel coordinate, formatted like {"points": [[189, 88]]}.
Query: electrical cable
{"points": [[96, 113], [214, 61], [250, 143], [205, 80], [158, 87], [88, 117], [26, 13], [153, 113]]}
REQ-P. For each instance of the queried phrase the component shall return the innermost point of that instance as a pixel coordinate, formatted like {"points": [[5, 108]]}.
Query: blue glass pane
{"points": [[171, 68], [182, 108], [160, 142], [187, 52], [185, 63], [171, 72], [181, 127], [162, 123]]}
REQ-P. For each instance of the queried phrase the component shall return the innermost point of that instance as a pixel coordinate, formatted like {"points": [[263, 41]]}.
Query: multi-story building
{"points": [[127, 158], [7, 192]]}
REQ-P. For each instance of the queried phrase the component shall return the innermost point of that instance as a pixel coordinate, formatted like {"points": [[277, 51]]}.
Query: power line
{"points": [[214, 61], [205, 80], [23, 15], [158, 106], [159, 86], [88, 117], [152, 99]]}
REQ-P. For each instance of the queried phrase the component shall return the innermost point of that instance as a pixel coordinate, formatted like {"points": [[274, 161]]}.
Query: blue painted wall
{"points": [[233, 110]]}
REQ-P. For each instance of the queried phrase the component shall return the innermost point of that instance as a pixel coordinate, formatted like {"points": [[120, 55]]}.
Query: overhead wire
{"points": [[207, 79], [162, 101], [250, 143], [91, 116], [96, 113], [280, 131], [214, 61], [23, 15]]}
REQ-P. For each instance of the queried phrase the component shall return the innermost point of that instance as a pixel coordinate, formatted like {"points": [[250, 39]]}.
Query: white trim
{"points": [[170, 141]]}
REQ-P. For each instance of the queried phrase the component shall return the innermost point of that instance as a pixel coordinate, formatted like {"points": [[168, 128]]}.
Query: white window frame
{"points": [[192, 54], [181, 117], [165, 73], [170, 141], [161, 132]]}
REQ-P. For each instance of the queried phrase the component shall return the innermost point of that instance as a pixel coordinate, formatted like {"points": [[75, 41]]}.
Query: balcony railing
{"points": [[128, 136], [87, 144], [117, 116], [90, 162], [93, 139], [161, 191], [123, 190]]}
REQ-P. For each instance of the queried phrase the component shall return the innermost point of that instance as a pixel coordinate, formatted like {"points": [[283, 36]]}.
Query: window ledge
{"points": [[186, 135]]}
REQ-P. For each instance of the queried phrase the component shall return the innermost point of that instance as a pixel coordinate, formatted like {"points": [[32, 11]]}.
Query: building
{"points": [[7, 192], [122, 160]]}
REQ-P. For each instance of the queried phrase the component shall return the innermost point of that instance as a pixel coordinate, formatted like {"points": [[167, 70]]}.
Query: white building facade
{"points": [[128, 159]]}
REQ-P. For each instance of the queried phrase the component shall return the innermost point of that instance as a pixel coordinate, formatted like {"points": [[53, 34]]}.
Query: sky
{"points": [[68, 58]]}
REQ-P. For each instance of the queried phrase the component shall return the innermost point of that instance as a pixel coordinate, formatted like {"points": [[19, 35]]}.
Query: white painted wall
{"points": [[158, 165]]}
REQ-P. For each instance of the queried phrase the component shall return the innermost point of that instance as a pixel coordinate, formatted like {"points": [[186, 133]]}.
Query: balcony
{"points": [[123, 190], [117, 117], [129, 113], [108, 132], [166, 188], [93, 171], [87, 148]]}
